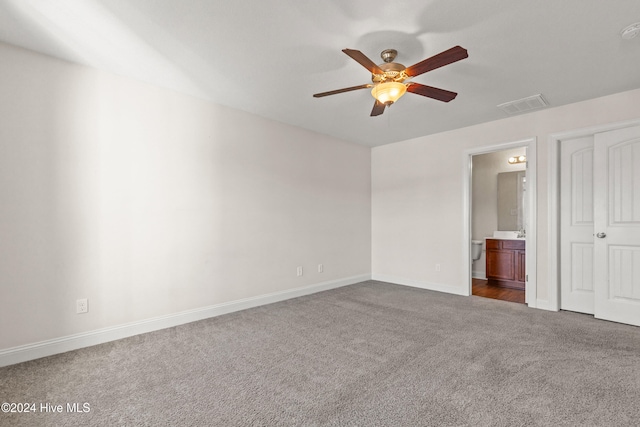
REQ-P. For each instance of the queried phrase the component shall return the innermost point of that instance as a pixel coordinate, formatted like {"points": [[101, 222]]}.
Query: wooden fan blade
{"points": [[362, 59], [431, 92], [440, 60], [346, 89], [378, 108]]}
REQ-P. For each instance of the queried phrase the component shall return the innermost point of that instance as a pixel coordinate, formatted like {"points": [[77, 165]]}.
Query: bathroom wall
{"points": [[484, 190]]}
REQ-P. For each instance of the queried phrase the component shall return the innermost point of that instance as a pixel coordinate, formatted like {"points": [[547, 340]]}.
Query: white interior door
{"points": [[576, 225], [617, 225]]}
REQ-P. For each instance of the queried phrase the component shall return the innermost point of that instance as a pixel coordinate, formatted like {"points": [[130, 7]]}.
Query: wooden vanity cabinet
{"points": [[506, 263]]}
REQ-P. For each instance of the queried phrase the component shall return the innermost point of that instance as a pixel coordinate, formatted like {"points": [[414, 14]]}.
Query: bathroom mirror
{"points": [[511, 200]]}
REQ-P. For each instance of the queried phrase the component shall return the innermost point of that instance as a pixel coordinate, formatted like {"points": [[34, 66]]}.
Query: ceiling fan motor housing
{"points": [[393, 72]]}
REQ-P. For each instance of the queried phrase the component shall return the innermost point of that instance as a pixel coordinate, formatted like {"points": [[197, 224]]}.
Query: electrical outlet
{"points": [[320, 268], [299, 271], [82, 306], [437, 267]]}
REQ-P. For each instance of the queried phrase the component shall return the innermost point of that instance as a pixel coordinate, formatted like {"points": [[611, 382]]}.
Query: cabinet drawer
{"points": [[513, 244], [493, 244], [505, 244]]}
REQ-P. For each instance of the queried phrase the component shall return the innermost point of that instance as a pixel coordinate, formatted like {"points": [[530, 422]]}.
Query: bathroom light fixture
{"points": [[517, 159], [389, 92]]}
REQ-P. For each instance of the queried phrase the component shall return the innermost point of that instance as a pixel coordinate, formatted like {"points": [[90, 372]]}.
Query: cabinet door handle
{"points": [[601, 235]]}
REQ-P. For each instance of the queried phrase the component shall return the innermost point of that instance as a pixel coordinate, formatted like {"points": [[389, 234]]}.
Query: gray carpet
{"points": [[371, 354]]}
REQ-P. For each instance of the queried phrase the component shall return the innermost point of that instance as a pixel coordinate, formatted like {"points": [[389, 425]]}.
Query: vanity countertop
{"points": [[506, 238], [507, 235]]}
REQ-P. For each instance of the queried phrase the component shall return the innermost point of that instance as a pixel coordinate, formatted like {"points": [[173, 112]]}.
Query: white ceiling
{"points": [[269, 56]]}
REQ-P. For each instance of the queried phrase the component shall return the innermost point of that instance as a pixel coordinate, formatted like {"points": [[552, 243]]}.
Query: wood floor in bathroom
{"points": [[481, 288]]}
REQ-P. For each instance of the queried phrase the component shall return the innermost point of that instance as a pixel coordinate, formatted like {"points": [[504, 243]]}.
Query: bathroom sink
{"points": [[507, 235]]}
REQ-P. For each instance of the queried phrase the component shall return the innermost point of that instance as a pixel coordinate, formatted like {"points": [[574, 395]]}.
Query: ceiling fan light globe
{"points": [[389, 92]]}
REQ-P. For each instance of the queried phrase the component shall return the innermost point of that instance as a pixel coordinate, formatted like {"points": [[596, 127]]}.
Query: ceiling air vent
{"points": [[523, 105]]}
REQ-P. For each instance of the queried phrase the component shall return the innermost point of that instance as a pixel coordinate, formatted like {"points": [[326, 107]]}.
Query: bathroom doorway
{"points": [[499, 222]]}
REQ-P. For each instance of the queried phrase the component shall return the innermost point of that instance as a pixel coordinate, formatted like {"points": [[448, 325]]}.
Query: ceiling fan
{"points": [[392, 80]]}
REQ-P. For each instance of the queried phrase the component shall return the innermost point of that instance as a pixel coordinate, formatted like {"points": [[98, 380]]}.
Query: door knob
{"points": [[601, 235]]}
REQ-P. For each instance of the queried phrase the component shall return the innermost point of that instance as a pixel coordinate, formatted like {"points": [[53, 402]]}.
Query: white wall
{"points": [[150, 203], [417, 192], [484, 200]]}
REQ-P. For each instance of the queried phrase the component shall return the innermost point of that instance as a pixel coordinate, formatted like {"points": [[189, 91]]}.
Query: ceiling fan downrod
{"points": [[388, 55]]}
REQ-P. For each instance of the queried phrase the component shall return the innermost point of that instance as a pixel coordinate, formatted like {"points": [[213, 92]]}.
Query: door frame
{"points": [[553, 201], [531, 237]]}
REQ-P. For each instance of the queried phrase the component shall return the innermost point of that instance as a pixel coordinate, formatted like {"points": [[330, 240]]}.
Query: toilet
{"points": [[476, 249]]}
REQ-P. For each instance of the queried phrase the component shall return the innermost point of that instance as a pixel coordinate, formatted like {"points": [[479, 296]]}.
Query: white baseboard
{"points": [[40, 349], [480, 274], [420, 284]]}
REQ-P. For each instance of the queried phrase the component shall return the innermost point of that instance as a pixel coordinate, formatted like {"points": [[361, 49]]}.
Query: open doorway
{"points": [[500, 222], [498, 206]]}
